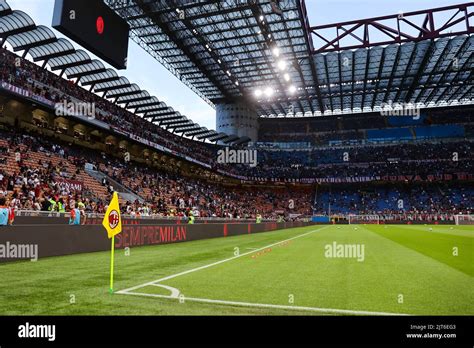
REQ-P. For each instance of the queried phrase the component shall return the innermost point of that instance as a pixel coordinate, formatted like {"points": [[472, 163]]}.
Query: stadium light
{"points": [[258, 93], [276, 51], [292, 89], [286, 77], [281, 65], [268, 91]]}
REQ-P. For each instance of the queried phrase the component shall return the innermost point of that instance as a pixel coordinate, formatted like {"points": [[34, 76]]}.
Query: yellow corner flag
{"points": [[113, 224], [112, 221]]}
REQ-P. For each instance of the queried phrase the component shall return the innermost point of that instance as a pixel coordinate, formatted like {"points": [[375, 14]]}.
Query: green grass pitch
{"points": [[420, 270]]}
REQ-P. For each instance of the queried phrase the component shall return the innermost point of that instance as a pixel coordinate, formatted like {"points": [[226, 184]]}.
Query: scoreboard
{"points": [[94, 26]]}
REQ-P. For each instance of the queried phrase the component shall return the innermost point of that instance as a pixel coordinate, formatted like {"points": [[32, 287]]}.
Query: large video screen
{"points": [[94, 26]]}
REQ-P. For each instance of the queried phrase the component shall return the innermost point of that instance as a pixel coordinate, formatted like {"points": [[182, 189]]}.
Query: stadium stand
{"points": [[32, 181], [407, 199], [48, 85], [368, 127], [43, 159], [165, 193]]}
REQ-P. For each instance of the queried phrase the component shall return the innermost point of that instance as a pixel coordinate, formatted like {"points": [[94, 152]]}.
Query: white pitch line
{"points": [[215, 263], [174, 291], [264, 305]]}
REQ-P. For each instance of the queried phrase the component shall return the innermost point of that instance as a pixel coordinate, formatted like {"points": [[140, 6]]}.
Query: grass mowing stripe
{"points": [[438, 246], [216, 263], [45, 287], [461, 230], [302, 270]]}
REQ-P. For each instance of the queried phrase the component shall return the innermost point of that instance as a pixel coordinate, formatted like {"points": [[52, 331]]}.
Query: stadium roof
{"points": [[20, 31], [266, 53]]}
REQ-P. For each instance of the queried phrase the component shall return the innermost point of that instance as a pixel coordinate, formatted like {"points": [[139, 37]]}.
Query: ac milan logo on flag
{"points": [[113, 219]]}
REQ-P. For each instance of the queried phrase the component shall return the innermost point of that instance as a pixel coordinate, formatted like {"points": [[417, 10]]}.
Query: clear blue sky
{"points": [[151, 76]]}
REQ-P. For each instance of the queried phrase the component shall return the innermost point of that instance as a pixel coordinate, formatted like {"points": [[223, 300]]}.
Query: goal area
{"points": [[464, 219], [364, 219]]}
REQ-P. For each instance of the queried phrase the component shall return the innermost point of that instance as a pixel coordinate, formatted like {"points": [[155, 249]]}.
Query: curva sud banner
{"points": [[360, 179]]}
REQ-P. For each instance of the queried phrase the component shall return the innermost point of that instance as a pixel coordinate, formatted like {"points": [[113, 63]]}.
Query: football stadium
{"points": [[338, 179]]}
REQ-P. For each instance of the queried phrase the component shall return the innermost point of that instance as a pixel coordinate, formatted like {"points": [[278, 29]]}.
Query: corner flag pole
{"points": [[112, 257], [113, 225]]}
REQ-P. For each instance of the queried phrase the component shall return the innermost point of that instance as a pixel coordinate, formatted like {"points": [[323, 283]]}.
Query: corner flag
{"points": [[112, 221], [113, 224]]}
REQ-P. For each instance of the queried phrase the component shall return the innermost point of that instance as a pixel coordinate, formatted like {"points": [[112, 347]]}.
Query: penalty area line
{"points": [[216, 263], [265, 305]]}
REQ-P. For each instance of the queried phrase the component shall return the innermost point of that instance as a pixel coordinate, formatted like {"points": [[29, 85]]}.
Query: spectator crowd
{"points": [[37, 186]]}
